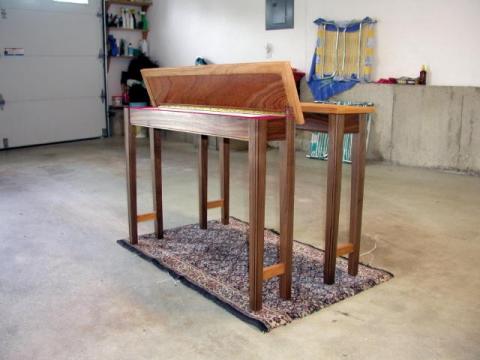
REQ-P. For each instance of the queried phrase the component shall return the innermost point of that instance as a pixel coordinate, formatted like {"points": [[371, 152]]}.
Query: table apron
{"points": [[319, 122], [202, 124]]}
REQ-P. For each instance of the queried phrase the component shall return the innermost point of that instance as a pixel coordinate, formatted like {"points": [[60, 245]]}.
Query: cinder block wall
{"points": [[426, 126]]}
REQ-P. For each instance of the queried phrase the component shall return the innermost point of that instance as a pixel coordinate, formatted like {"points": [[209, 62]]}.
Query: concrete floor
{"points": [[68, 291]]}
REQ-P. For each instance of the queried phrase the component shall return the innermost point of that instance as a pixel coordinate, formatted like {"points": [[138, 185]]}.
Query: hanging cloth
{"points": [[343, 56]]}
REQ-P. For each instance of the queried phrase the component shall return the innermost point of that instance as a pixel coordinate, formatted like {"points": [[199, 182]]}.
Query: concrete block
{"points": [[426, 126], [469, 154], [305, 93], [380, 137]]}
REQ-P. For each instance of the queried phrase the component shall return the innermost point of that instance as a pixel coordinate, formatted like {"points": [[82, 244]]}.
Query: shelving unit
{"points": [[144, 5], [113, 72]]}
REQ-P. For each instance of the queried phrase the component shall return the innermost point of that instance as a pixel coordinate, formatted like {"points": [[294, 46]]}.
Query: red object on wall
{"points": [[387, 81]]}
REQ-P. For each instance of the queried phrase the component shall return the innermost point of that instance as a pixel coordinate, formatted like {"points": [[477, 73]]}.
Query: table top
{"points": [[319, 108]]}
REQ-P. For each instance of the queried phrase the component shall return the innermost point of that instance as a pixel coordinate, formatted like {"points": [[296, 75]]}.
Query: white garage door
{"points": [[52, 93]]}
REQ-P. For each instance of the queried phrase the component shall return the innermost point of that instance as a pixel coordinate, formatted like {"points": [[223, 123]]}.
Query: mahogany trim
{"points": [[273, 270], [344, 249], [214, 204], [146, 217]]}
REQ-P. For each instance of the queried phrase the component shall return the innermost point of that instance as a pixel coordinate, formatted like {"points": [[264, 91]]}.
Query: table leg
{"points": [[225, 179], [156, 159], [356, 198], [257, 147], [203, 180], [336, 125], [287, 189], [130, 153]]}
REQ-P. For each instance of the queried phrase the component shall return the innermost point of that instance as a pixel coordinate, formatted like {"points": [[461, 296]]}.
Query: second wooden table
{"points": [[337, 120]]}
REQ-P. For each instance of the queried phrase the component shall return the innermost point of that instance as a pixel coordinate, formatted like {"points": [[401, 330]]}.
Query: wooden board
{"points": [[267, 86], [335, 109], [213, 125], [319, 122]]}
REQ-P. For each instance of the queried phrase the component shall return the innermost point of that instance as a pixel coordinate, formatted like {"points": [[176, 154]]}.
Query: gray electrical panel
{"points": [[279, 14]]}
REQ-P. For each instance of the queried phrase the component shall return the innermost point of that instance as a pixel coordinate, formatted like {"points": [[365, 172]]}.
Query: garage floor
{"points": [[68, 291]]}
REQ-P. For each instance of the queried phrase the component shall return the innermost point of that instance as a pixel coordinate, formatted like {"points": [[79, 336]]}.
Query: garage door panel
{"points": [[52, 33], [35, 123], [33, 78], [50, 5], [51, 93]]}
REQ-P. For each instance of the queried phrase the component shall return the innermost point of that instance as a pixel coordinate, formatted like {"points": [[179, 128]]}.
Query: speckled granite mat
{"points": [[215, 263]]}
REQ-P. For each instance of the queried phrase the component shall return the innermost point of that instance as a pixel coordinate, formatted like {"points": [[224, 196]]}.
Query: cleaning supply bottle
{"points": [[130, 49], [124, 17], [132, 19], [144, 21], [143, 46], [422, 80], [129, 19], [122, 47]]}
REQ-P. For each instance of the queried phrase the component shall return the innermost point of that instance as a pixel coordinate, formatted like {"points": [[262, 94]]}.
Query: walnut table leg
{"points": [[257, 148], [356, 200], [336, 125], [203, 180], [287, 188], [130, 153], [225, 179], [156, 159]]}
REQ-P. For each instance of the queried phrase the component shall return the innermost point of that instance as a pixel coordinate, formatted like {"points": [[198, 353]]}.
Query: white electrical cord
{"points": [[172, 280], [371, 251]]}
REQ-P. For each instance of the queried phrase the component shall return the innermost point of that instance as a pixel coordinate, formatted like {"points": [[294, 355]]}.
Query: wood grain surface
{"points": [[267, 86]]}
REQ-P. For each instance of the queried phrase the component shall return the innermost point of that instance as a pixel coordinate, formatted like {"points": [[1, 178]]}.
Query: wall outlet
{"points": [[5, 143], [269, 50]]}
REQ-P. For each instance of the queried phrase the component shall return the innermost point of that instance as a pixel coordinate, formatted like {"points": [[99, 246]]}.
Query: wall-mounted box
{"points": [[279, 14], [14, 51]]}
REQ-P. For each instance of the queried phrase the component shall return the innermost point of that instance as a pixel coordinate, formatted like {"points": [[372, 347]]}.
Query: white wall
{"points": [[439, 33]]}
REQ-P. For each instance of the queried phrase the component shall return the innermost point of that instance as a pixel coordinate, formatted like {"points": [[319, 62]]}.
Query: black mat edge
{"points": [[242, 316], [249, 320]]}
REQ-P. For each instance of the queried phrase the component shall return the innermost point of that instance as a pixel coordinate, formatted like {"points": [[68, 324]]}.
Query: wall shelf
{"points": [[124, 29], [143, 4], [121, 57]]}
